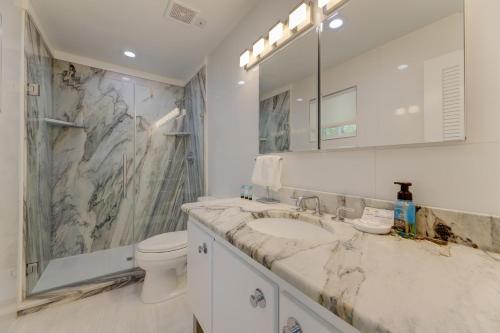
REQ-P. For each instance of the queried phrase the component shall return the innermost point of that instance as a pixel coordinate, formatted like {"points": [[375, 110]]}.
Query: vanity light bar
{"points": [[276, 33], [244, 58], [300, 19], [258, 47], [322, 3], [329, 6], [298, 16]]}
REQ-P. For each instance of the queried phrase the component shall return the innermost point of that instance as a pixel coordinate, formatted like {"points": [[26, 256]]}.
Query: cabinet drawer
{"points": [[291, 310], [237, 306]]}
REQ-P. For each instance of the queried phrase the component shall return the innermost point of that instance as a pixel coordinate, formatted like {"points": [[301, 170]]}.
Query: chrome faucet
{"points": [[338, 213], [299, 202]]}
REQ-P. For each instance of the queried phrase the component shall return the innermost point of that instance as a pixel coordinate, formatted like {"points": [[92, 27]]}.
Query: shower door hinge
{"points": [[33, 89], [31, 268]]}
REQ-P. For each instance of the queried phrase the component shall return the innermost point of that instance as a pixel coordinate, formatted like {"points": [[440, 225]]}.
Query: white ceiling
{"points": [[103, 29]]}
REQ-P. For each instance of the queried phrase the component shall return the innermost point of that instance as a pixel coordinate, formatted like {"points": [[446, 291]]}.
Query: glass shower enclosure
{"points": [[109, 161]]}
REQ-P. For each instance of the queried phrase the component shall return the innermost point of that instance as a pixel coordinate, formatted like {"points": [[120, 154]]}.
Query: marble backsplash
{"points": [[38, 158], [274, 124], [469, 229]]}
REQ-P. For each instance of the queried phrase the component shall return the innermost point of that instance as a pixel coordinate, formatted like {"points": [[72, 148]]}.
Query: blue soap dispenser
{"points": [[404, 212]]}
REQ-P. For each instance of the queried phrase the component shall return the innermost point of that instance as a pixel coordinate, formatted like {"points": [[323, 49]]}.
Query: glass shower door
{"points": [[90, 175]]}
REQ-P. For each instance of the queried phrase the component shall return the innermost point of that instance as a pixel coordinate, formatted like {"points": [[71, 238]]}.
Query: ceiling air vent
{"points": [[180, 12]]}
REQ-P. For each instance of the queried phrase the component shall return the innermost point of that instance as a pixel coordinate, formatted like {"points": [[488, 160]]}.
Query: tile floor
{"points": [[117, 311]]}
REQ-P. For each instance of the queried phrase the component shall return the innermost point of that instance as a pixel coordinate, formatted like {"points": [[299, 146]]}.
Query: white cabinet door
{"points": [[293, 312], [199, 275], [234, 283]]}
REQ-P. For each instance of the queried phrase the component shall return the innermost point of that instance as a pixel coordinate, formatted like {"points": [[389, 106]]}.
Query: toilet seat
{"points": [[160, 256], [164, 243]]}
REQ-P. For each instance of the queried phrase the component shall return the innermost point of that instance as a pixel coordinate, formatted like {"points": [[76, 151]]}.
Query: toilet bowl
{"points": [[164, 258]]}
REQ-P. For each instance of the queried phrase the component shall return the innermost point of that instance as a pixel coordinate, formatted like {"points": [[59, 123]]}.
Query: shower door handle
{"points": [[124, 176]]}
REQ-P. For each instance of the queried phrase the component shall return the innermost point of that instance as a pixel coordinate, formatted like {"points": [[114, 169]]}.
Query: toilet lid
{"points": [[167, 242]]}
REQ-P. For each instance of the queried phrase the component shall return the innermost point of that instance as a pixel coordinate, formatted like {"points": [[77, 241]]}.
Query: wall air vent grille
{"points": [[180, 13], [453, 101]]}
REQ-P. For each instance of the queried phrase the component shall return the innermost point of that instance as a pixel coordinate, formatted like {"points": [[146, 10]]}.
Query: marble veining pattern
{"points": [[156, 128], [87, 289], [38, 158], [195, 104], [469, 229], [88, 203], [121, 178], [375, 283], [274, 125]]}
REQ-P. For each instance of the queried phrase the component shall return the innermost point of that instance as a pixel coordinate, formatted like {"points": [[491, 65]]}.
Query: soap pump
{"points": [[404, 212]]}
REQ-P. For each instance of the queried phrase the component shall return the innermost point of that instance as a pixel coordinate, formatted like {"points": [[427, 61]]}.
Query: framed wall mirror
{"points": [[288, 90], [392, 73]]}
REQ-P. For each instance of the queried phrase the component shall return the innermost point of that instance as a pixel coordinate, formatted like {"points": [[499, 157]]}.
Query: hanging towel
{"points": [[267, 172]]}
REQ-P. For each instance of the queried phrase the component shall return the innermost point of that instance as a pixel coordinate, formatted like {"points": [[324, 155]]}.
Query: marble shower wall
{"points": [[169, 154], [160, 158], [274, 125], [88, 205], [38, 158], [195, 104], [156, 128]]}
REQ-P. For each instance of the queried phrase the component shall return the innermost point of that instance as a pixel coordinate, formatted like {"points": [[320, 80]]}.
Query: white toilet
{"points": [[164, 258]]}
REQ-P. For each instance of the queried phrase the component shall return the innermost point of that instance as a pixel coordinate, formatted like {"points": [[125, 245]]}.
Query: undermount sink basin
{"points": [[291, 229]]}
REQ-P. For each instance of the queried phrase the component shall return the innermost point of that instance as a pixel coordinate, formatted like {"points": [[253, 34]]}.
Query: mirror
{"points": [[392, 73], [288, 89]]}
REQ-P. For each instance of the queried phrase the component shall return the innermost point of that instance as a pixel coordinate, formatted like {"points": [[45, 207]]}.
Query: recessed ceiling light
{"points": [[241, 83], [300, 99], [129, 54], [336, 23], [402, 67]]}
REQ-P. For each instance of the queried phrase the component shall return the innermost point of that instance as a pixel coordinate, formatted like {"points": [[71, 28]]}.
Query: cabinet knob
{"points": [[258, 299], [203, 248], [292, 326]]}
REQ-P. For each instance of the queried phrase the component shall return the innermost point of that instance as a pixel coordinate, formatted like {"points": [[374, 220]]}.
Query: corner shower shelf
{"points": [[61, 123], [177, 134]]}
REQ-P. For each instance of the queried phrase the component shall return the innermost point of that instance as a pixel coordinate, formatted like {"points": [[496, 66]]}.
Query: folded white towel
{"points": [[267, 172]]}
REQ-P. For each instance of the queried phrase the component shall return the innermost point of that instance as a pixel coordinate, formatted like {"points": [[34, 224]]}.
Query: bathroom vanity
{"points": [[229, 292], [246, 277]]}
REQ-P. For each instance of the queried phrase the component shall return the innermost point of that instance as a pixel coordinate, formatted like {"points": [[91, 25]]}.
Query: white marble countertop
{"points": [[375, 283]]}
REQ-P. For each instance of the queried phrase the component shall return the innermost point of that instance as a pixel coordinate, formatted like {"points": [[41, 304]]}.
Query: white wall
{"points": [[233, 110], [376, 77], [10, 137], [456, 176]]}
